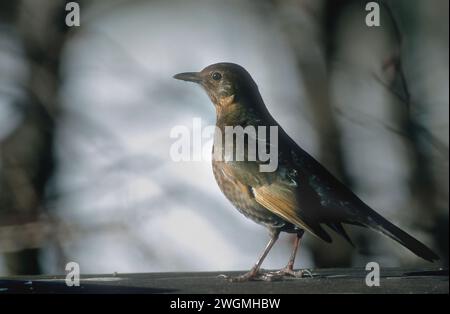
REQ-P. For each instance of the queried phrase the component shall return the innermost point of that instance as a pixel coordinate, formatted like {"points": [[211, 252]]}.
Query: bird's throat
{"points": [[228, 111]]}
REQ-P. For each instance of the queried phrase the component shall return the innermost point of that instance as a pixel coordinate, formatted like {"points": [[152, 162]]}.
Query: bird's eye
{"points": [[216, 76]]}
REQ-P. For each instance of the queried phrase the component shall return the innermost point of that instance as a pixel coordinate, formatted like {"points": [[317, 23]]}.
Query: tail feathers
{"points": [[339, 229], [379, 223]]}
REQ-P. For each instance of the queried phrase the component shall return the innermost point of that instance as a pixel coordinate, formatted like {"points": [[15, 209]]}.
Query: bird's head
{"points": [[225, 83]]}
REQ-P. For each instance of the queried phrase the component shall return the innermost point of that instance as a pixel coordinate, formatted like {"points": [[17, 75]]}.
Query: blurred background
{"points": [[86, 114]]}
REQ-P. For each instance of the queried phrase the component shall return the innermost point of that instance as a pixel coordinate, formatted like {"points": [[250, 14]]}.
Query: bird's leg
{"points": [[289, 268], [290, 264], [253, 274]]}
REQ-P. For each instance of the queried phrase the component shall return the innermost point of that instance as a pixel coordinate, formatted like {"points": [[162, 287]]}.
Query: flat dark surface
{"points": [[323, 281]]}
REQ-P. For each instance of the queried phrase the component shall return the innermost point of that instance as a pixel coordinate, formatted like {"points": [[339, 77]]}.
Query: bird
{"points": [[300, 195]]}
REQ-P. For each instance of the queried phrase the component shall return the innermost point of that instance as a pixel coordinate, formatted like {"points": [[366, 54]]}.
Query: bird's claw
{"points": [[249, 276], [268, 276], [280, 274]]}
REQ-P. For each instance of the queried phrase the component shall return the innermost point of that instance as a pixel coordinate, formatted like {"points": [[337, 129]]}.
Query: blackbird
{"points": [[300, 195]]}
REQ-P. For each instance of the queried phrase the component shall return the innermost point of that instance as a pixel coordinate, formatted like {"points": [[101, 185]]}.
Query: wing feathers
{"points": [[282, 202]]}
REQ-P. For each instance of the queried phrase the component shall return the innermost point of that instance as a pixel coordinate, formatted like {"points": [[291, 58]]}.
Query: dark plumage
{"points": [[300, 195]]}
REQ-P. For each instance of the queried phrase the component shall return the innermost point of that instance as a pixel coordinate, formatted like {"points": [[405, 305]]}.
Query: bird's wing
{"points": [[283, 201], [339, 204]]}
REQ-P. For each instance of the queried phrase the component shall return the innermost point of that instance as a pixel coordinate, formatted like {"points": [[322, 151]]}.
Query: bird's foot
{"points": [[252, 275], [289, 272]]}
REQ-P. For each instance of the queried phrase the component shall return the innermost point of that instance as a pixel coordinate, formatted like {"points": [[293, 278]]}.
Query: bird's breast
{"points": [[240, 194]]}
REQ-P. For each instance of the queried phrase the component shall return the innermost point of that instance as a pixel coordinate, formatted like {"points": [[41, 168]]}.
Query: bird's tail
{"points": [[379, 223]]}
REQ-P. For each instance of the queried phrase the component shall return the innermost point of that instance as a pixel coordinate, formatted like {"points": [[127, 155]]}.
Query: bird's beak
{"points": [[189, 76]]}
